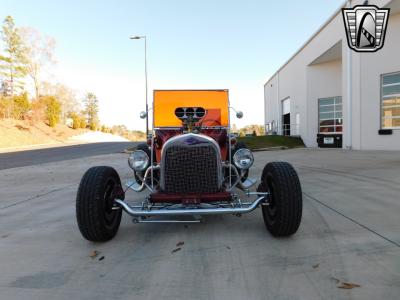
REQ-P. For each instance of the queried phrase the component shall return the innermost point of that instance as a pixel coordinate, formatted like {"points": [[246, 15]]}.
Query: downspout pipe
{"points": [[278, 108], [349, 70]]}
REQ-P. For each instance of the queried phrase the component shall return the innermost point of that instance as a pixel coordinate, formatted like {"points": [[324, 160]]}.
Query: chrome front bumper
{"points": [[235, 208]]}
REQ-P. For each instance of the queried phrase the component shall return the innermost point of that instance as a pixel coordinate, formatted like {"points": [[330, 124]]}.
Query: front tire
{"points": [[97, 220], [282, 215]]}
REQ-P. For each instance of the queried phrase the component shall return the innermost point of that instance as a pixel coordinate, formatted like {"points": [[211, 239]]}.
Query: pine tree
{"points": [[13, 64], [92, 110]]}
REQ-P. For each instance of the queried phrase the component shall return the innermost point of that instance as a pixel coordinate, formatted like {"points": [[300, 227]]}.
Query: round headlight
{"points": [[138, 160], [243, 158]]}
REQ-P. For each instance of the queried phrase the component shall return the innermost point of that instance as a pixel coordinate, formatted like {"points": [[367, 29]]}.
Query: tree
{"points": [[39, 51], [253, 130], [132, 135], [234, 128], [105, 129], [64, 95], [13, 64], [92, 110]]}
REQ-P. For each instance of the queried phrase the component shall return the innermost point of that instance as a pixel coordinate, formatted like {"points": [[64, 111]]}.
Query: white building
{"points": [[327, 90]]}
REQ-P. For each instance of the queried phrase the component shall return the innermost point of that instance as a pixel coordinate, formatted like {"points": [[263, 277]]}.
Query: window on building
{"points": [[390, 91], [330, 118]]}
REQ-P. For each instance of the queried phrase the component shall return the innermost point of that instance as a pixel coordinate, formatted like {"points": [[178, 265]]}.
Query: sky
{"points": [[220, 44]]}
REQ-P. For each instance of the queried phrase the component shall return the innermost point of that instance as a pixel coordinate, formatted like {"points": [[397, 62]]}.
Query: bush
{"points": [[82, 123], [38, 111], [21, 106], [78, 120], [93, 126], [6, 107], [52, 111], [16, 107], [105, 129]]}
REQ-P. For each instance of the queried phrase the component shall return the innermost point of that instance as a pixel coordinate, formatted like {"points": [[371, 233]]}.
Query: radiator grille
{"points": [[191, 169]]}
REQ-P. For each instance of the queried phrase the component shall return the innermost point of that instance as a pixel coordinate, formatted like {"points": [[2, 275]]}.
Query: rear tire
{"points": [[282, 215], [97, 221]]}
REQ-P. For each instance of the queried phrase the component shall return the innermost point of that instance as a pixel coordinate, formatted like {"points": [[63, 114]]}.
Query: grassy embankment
{"points": [[15, 133], [271, 141]]}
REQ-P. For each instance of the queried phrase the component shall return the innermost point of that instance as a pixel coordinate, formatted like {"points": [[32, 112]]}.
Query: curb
{"points": [[270, 148]]}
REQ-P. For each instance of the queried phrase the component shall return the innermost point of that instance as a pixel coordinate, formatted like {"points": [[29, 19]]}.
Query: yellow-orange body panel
{"points": [[215, 102]]}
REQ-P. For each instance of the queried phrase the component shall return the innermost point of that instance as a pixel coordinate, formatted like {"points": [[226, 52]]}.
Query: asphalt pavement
{"points": [[347, 247], [54, 154]]}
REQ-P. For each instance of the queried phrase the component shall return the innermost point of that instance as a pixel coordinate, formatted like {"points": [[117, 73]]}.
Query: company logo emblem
{"points": [[365, 27]]}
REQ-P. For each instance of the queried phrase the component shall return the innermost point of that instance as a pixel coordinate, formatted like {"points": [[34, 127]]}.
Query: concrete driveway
{"points": [[350, 233]]}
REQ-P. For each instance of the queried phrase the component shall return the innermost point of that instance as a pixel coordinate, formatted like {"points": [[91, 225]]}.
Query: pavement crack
{"points": [[35, 197], [352, 220]]}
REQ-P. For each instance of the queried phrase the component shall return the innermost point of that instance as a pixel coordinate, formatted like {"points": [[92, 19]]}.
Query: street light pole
{"points": [[145, 74]]}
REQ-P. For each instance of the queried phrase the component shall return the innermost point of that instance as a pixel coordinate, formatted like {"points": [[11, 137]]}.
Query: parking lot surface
{"points": [[349, 234], [13, 159]]}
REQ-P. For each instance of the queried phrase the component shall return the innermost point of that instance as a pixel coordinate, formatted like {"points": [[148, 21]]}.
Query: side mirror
{"points": [[143, 115], [239, 114]]}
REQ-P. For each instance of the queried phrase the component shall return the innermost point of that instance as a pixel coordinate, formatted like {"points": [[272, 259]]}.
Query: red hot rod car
{"points": [[192, 166]]}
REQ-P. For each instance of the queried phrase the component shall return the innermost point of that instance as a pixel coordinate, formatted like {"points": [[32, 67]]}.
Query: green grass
{"points": [[257, 142]]}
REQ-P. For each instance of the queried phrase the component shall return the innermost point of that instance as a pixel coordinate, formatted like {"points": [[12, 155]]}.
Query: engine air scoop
{"points": [[190, 114]]}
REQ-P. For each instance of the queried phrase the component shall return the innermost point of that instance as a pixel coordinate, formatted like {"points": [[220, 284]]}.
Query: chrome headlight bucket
{"points": [[138, 160], [243, 159]]}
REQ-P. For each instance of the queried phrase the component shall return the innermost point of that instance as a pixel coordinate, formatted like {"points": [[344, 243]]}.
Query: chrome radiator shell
{"points": [[191, 163]]}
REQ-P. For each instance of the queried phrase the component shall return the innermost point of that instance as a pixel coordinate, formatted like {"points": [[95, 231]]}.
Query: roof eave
{"points": [[337, 11]]}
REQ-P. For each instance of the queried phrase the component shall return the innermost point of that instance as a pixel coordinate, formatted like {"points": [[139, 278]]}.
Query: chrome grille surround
{"points": [[191, 163]]}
